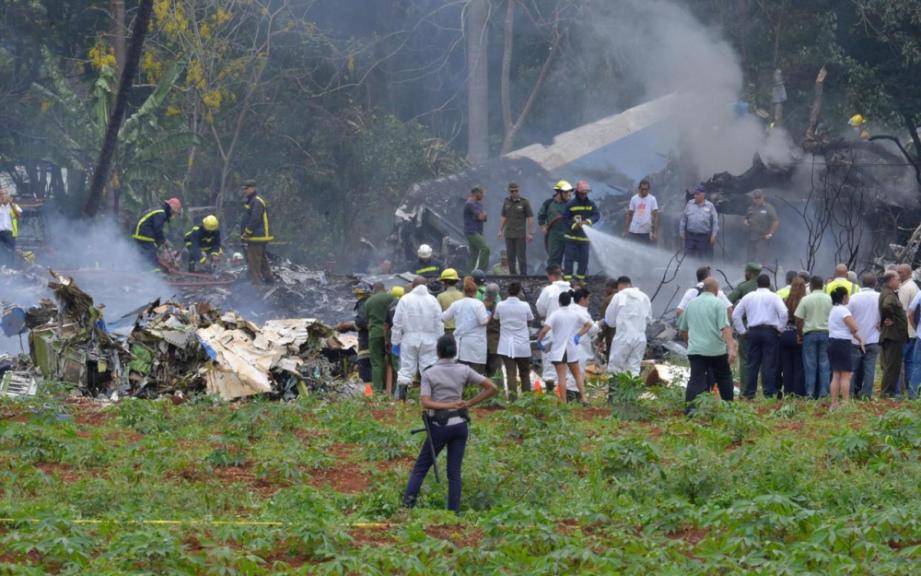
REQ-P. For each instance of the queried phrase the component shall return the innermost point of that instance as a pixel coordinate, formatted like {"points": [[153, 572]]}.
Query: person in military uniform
{"points": [[516, 225], [752, 270], [376, 308], [762, 223]]}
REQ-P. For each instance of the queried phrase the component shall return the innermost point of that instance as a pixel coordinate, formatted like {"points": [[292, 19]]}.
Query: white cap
{"points": [[424, 251]]}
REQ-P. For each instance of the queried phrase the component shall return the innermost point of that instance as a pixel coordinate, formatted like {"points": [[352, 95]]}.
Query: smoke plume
{"points": [[663, 48]]}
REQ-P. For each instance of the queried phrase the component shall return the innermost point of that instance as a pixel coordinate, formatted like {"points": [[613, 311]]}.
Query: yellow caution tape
{"points": [[191, 522]]}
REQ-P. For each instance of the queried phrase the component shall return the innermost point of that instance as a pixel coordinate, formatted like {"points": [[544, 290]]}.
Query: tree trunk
{"points": [[816, 107], [119, 35], [477, 81], [509, 139], [916, 140], [101, 172], [505, 82]]}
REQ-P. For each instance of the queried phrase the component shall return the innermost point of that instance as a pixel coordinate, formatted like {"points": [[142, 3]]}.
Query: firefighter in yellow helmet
{"points": [[550, 220], [203, 243], [859, 124]]}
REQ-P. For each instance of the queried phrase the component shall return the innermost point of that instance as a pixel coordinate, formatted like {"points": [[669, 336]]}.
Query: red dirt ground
{"points": [[368, 536], [344, 478], [63, 472], [455, 535]]}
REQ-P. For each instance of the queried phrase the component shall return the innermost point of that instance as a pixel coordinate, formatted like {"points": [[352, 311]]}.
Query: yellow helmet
{"points": [[211, 223], [397, 291], [856, 120], [563, 186], [449, 274]]}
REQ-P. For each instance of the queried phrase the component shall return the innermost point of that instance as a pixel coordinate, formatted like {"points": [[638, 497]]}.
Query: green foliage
{"points": [[262, 487], [626, 391]]}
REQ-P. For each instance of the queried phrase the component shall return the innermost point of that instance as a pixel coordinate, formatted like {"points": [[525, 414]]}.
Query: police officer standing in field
{"points": [[699, 225], [446, 418]]}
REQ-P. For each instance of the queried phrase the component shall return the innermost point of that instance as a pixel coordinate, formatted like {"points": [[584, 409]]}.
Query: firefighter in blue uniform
{"points": [[203, 242], [579, 213], [149, 235]]}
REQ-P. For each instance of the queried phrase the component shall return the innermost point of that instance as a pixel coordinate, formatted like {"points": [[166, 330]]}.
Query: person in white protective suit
{"points": [[547, 303], [417, 325], [470, 320], [569, 324], [629, 312]]}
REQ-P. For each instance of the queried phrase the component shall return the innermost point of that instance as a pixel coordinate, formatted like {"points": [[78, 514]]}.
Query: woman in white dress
{"points": [[470, 320], [569, 324]]}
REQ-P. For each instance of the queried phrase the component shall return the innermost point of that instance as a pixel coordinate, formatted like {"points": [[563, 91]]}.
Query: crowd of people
{"points": [[812, 338]]}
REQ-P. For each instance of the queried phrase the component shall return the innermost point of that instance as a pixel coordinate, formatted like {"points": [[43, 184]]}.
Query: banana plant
{"points": [[142, 139]]}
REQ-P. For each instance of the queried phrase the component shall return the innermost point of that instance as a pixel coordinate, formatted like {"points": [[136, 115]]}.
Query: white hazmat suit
{"points": [[629, 312], [417, 325]]}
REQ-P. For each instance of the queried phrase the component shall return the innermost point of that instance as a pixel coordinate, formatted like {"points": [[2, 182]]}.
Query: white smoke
{"points": [[664, 48]]}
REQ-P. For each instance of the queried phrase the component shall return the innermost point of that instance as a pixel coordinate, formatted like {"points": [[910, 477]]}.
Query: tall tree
{"points": [[477, 36]]}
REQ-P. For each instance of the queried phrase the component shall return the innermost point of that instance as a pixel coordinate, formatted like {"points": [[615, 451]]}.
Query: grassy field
{"points": [[313, 487]]}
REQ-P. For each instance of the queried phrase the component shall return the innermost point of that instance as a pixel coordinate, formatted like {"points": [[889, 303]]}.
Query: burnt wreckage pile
{"points": [[175, 348]]}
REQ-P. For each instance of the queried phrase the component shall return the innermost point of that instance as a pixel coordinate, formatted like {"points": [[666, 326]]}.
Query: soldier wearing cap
{"points": [[752, 270], [762, 223], [255, 234], [516, 225]]}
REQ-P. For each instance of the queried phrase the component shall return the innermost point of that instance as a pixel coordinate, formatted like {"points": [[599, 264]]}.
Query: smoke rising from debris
{"points": [[664, 48]]}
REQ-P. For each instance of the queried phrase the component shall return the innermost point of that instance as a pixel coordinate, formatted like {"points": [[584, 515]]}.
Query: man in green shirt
{"points": [[752, 270], [711, 349], [812, 325], [762, 223], [376, 309], [551, 222]]}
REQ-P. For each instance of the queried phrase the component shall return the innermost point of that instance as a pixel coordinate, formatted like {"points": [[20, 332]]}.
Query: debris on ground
{"points": [[176, 348]]}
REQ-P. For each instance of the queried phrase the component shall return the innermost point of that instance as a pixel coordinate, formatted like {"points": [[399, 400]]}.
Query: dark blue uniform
{"points": [[578, 211]]}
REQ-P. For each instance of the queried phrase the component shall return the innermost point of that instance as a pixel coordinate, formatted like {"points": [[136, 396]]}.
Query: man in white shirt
{"points": [[702, 274], [765, 316], [547, 303], [417, 325], [629, 312], [864, 307], [642, 215]]}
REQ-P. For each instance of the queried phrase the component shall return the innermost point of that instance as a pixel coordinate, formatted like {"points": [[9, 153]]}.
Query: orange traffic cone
{"points": [[369, 391], [538, 388]]}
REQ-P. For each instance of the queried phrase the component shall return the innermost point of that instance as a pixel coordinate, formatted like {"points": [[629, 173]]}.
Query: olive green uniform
{"points": [[551, 216], [376, 309], [737, 294], [760, 221]]}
